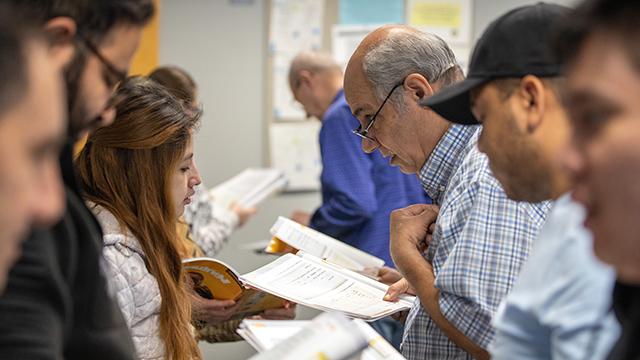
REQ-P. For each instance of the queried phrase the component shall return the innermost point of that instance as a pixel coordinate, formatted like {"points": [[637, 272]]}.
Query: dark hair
{"points": [[618, 18], [177, 81], [15, 33], [94, 18]]}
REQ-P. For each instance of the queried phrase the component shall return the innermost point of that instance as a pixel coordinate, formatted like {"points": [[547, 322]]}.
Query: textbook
{"points": [[250, 187], [213, 279], [289, 237], [328, 336], [308, 280]]}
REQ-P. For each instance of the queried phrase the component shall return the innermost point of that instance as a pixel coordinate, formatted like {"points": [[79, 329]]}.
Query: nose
{"points": [[572, 159], [195, 179], [48, 200], [369, 146]]}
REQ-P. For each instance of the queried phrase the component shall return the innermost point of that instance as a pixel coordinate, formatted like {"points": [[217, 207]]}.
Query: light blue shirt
{"points": [[480, 242], [560, 306]]}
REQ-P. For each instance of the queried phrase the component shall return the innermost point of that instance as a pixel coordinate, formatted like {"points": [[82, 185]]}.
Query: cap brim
{"points": [[454, 102]]}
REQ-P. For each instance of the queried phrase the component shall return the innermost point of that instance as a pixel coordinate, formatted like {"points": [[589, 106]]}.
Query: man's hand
{"points": [[388, 276], [211, 311], [244, 213], [411, 229], [400, 287], [301, 217]]}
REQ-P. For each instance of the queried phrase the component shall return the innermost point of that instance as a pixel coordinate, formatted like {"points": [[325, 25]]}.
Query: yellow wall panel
{"points": [[146, 59]]}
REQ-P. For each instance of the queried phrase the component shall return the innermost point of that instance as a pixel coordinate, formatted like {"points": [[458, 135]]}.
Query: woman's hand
{"points": [[211, 311], [244, 213]]}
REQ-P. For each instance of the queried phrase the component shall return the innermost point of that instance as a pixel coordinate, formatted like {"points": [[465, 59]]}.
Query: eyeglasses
{"points": [[364, 133], [116, 76]]}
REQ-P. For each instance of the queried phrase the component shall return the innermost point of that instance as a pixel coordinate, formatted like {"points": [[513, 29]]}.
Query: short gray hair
{"points": [[313, 61], [405, 53]]}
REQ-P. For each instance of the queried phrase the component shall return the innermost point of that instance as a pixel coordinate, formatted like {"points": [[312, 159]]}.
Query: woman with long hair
{"points": [[209, 225], [138, 174]]}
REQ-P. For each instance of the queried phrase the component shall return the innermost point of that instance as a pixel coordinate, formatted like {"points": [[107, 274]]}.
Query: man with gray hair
{"points": [[462, 266], [359, 190]]}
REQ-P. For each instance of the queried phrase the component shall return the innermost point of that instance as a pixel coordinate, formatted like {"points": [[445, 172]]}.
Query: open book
{"points": [[250, 187], [289, 237], [328, 336], [213, 279], [311, 281]]}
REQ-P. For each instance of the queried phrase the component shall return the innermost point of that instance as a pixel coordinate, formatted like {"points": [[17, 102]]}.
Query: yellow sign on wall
{"points": [[439, 14], [146, 58]]}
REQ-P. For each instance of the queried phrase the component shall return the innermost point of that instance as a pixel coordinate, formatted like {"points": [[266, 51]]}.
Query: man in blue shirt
{"points": [[359, 190], [560, 306]]}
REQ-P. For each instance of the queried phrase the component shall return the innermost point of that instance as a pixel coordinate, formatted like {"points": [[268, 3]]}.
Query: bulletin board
{"points": [[337, 27]]}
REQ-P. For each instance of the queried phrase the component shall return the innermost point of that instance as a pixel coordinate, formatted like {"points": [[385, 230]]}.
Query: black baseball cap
{"points": [[517, 44]]}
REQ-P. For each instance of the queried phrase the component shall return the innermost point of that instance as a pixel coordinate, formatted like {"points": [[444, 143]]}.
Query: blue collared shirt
{"points": [[479, 244], [359, 190], [560, 307]]}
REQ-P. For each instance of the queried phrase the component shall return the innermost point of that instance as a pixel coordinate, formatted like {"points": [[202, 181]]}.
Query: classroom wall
{"points": [[222, 44]]}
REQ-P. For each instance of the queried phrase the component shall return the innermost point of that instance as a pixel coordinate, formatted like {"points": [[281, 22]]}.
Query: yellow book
{"points": [[213, 279]]}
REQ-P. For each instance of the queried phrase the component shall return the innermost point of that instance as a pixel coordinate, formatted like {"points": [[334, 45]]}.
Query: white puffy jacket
{"points": [[135, 288]]}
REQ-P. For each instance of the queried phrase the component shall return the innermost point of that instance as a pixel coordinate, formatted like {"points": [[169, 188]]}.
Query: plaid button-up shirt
{"points": [[480, 242]]}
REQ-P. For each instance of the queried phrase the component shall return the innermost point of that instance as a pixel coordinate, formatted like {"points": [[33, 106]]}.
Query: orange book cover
{"points": [[213, 279]]}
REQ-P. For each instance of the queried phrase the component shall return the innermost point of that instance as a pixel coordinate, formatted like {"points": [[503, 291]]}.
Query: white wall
{"points": [[222, 44]]}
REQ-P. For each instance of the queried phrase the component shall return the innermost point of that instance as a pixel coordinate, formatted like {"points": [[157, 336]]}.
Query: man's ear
{"points": [[304, 77], [532, 98], [418, 86], [61, 32]]}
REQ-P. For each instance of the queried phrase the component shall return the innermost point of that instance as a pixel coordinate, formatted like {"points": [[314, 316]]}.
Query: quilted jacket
{"points": [[134, 287]]}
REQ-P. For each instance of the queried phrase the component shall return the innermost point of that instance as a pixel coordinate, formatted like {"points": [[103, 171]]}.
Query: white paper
{"points": [[295, 26], [250, 187], [329, 336], [264, 335], [323, 246], [295, 150], [345, 39], [309, 283]]}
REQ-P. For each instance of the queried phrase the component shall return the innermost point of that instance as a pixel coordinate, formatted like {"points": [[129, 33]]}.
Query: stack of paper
{"points": [[250, 187], [328, 336]]}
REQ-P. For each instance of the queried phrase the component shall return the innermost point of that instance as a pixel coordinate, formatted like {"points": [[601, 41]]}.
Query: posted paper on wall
{"points": [[295, 26], [295, 150], [367, 12], [449, 19]]}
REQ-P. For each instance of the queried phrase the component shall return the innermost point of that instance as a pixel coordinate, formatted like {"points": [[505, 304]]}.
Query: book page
{"points": [[266, 334], [263, 335], [250, 187], [406, 299], [329, 336], [313, 284], [379, 348], [323, 246]]}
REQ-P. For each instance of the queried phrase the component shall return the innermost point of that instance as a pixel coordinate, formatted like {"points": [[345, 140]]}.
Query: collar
{"points": [[445, 159]]}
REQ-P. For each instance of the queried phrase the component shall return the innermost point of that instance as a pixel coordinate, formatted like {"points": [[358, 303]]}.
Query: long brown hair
{"points": [[126, 168]]}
